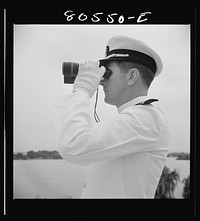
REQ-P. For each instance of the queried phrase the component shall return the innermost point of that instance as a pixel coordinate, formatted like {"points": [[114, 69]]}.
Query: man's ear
{"points": [[133, 75]]}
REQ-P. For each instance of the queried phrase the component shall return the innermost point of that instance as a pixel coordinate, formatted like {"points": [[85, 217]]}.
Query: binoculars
{"points": [[70, 71]]}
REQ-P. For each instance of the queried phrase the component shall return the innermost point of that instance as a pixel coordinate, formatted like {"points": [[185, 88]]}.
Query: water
{"points": [[47, 178], [59, 179]]}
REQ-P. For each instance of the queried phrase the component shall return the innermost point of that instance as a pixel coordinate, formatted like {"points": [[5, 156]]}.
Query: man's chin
{"points": [[107, 101]]}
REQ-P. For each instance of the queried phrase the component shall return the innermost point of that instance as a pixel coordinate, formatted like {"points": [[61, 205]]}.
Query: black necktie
{"points": [[147, 102]]}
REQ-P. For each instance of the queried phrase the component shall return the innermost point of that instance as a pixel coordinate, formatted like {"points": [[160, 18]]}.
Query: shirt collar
{"points": [[132, 103]]}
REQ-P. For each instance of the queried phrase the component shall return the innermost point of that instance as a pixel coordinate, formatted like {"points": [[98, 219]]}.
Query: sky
{"points": [[39, 51]]}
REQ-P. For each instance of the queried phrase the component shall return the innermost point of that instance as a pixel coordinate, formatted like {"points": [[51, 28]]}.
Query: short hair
{"points": [[146, 74]]}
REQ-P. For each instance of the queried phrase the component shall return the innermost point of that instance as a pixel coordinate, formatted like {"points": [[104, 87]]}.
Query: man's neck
{"points": [[129, 98]]}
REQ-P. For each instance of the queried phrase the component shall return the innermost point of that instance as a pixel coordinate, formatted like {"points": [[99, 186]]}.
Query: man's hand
{"points": [[88, 78]]}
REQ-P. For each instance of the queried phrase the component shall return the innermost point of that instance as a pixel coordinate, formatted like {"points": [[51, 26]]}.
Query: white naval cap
{"points": [[129, 49]]}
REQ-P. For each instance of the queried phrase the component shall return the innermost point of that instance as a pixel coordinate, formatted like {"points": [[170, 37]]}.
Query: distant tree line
{"points": [[180, 155], [41, 154], [45, 154]]}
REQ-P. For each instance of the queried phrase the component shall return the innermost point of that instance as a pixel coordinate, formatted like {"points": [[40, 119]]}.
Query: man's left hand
{"points": [[88, 78]]}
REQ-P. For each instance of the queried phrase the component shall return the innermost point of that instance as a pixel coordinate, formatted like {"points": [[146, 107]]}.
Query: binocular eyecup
{"points": [[70, 71]]}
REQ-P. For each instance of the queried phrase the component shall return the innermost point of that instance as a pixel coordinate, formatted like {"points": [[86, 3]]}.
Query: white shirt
{"points": [[126, 154]]}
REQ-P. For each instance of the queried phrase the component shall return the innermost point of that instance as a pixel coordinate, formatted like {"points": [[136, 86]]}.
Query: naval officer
{"points": [[126, 154]]}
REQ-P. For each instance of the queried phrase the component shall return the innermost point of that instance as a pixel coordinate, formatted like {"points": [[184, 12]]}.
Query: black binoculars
{"points": [[70, 71]]}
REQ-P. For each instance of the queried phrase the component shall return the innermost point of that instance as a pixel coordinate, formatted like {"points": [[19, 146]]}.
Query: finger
{"points": [[101, 71]]}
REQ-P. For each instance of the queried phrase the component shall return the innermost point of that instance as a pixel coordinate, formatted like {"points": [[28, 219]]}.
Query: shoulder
{"points": [[146, 116]]}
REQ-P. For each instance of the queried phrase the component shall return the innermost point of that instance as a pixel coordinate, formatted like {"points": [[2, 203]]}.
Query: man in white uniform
{"points": [[126, 154]]}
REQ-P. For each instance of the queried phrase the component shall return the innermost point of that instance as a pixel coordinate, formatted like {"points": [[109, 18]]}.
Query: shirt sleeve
{"points": [[80, 143]]}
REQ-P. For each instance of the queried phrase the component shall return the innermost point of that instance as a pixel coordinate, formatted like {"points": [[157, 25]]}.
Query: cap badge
{"points": [[107, 50]]}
